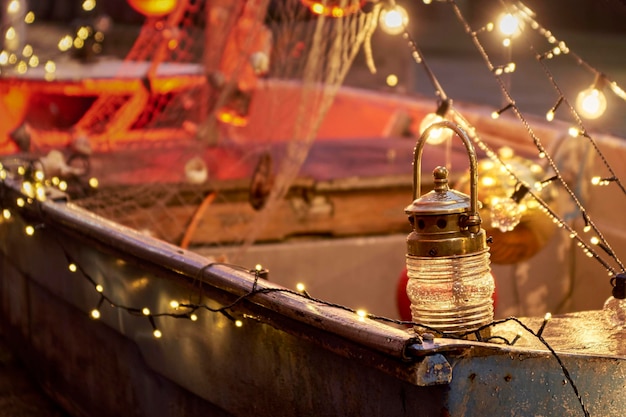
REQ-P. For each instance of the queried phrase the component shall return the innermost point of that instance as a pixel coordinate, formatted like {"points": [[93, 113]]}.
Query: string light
{"points": [[591, 102], [547, 210], [392, 80], [552, 111], [487, 28], [393, 20], [419, 58], [546, 319], [362, 314], [574, 132], [496, 114], [336, 9], [95, 313], [504, 69], [302, 289], [156, 330], [438, 135], [602, 181]]}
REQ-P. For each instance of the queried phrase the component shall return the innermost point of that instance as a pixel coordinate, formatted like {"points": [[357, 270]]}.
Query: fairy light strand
{"points": [[77, 269], [561, 46], [458, 117], [579, 122], [588, 249], [538, 144], [534, 24]]}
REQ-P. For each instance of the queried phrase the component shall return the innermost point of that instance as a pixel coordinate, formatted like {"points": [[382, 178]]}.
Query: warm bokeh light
{"points": [[393, 21], [591, 103], [89, 5], [392, 80], [435, 136], [153, 8], [13, 7], [509, 25]]}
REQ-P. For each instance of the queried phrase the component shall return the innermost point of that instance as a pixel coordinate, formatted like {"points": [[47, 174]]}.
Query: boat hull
{"points": [[293, 355]]}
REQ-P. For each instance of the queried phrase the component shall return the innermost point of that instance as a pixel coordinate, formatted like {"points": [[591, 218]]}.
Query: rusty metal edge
{"points": [[61, 214]]}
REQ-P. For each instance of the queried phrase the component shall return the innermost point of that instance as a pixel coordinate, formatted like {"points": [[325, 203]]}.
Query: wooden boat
{"points": [[155, 306]]}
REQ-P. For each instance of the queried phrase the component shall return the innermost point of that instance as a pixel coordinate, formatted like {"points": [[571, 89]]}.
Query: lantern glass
{"points": [[451, 294]]}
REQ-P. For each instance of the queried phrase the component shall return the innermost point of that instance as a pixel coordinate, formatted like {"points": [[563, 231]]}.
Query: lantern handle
{"points": [[473, 220]]}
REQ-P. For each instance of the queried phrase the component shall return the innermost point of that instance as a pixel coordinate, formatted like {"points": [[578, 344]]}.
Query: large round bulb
{"points": [[509, 25], [393, 21], [615, 309], [591, 103], [438, 135]]}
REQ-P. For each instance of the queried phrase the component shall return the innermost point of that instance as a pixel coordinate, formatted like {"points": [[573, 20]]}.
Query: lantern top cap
{"points": [[441, 200]]}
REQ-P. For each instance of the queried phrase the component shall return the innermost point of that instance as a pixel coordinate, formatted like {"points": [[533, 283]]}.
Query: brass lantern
{"points": [[450, 285]]}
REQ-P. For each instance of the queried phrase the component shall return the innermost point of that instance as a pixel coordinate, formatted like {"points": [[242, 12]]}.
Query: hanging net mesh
{"points": [[212, 114]]}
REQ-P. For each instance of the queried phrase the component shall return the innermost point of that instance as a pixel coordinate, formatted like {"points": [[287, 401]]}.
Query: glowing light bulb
{"points": [[95, 314], [505, 214], [10, 34], [27, 50], [174, 304], [65, 43], [50, 66], [89, 5], [591, 103], [145, 311], [509, 25], [29, 230], [393, 21], [438, 135], [318, 8], [392, 80], [83, 32], [615, 305], [238, 323], [193, 317], [99, 288], [573, 131], [157, 333], [72, 267], [13, 7]]}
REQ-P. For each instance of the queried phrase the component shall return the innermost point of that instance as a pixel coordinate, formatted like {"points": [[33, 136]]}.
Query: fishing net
{"points": [[211, 115]]}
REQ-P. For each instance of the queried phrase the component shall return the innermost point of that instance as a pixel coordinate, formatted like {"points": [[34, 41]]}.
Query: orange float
{"points": [[153, 8]]}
